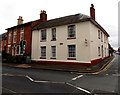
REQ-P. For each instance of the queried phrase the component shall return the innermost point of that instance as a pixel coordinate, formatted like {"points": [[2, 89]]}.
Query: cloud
{"points": [[113, 32]]}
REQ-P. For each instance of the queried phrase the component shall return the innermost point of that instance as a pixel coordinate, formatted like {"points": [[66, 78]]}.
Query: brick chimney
{"points": [[92, 11], [20, 20], [43, 15]]}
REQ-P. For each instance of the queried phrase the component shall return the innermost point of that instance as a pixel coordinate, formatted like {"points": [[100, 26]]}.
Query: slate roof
{"points": [[67, 20], [61, 21]]}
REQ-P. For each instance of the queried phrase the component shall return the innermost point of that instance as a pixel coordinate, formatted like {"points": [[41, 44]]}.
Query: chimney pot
{"points": [[43, 15], [92, 5], [92, 11], [20, 20]]}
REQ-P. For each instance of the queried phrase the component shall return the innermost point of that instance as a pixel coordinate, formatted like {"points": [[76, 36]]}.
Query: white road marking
{"points": [[29, 78], [77, 77], [79, 88], [49, 82], [9, 90], [41, 81]]}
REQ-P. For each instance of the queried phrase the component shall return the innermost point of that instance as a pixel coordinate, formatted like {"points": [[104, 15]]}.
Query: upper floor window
{"points": [[71, 51], [53, 51], [105, 51], [22, 29], [53, 33], [15, 36], [71, 31], [43, 34], [101, 37], [22, 33], [104, 38], [43, 51], [98, 34], [9, 37]]}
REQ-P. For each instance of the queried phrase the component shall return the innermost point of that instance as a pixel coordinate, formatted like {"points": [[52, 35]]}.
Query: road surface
{"points": [[28, 80]]}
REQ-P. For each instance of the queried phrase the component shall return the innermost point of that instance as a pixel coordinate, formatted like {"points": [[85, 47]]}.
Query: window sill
{"points": [[14, 42], [71, 58], [43, 41], [42, 57], [53, 58], [99, 55], [71, 38], [53, 40]]}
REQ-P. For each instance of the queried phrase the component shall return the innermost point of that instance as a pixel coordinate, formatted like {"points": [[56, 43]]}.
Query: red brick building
{"points": [[3, 41], [22, 31]]}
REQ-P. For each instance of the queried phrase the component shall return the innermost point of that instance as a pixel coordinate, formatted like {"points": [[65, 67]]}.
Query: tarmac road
{"points": [[27, 80]]}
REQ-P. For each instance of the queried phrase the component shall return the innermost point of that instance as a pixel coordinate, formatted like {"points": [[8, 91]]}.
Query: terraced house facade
{"points": [[22, 31], [75, 39]]}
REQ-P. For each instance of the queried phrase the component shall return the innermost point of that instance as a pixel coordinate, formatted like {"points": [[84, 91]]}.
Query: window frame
{"points": [[99, 34], [72, 52], [99, 54], [53, 52], [101, 37], [53, 34], [15, 36], [9, 49], [9, 37], [21, 33], [71, 31], [43, 35], [43, 52], [18, 50]]}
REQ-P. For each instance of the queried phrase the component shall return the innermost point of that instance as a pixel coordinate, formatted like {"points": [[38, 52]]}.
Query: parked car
{"points": [[117, 53]]}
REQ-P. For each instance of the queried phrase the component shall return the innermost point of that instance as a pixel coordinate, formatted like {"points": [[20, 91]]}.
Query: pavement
{"points": [[94, 69]]}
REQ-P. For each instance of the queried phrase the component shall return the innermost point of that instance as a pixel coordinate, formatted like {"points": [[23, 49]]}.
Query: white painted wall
{"points": [[95, 43], [84, 54]]}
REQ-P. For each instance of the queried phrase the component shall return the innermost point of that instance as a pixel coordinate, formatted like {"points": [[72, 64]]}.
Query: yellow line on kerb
{"points": [[104, 69]]}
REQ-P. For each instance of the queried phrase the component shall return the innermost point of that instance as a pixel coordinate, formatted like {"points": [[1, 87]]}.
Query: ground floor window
{"points": [[17, 50], [105, 51], [98, 51], [43, 51], [71, 51], [9, 49], [53, 48]]}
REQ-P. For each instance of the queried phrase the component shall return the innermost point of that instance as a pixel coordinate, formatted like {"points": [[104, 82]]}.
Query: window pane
{"points": [[71, 31], [43, 34], [71, 51], [53, 33], [98, 51], [53, 51], [43, 51], [98, 34]]}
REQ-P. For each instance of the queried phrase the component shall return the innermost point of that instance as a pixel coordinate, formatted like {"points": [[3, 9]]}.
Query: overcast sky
{"points": [[106, 12]]}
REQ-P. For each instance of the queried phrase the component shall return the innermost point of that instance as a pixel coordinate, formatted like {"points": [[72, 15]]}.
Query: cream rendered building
{"points": [[74, 39]]}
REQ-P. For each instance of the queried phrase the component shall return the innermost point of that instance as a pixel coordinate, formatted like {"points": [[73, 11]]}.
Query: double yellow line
{"points": [[102, 70]]}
